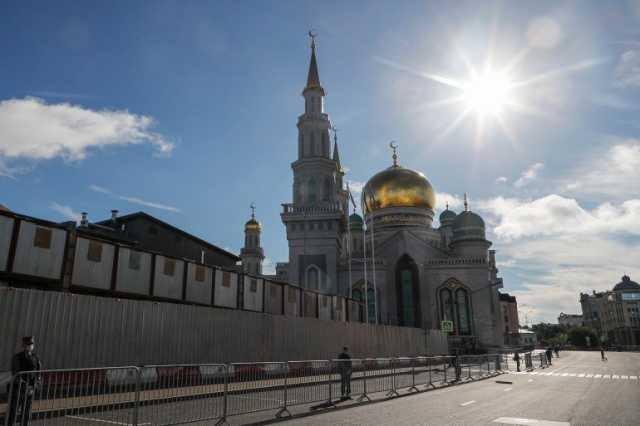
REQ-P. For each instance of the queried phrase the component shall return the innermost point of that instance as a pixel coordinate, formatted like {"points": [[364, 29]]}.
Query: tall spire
{"points": [[313, 78], [336, 154]]}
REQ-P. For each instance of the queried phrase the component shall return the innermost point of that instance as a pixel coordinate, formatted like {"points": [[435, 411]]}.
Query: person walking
{"points": [[604, 357], [516, 358], [549, 353], [344, 368], [23, 384], [556, 349]]}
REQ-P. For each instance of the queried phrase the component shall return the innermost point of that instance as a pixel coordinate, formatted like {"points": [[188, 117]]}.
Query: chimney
{"points": [[114, 215]]}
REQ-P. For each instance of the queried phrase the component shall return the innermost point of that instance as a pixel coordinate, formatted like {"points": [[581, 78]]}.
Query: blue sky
{"points": [[187, 110]]}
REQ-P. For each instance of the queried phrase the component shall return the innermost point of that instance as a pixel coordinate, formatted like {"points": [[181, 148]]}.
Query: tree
{"points": [[577, 336], [545, 332]]}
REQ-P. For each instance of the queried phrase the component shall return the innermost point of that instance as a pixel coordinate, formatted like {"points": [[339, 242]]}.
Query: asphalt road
{"points": [[578, 389]]}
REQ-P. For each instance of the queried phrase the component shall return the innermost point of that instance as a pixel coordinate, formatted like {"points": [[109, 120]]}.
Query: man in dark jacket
{"points": [[344, 368], [23, 385]]}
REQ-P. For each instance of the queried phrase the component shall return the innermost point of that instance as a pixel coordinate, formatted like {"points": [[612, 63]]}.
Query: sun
{"points": [[487, 94]]}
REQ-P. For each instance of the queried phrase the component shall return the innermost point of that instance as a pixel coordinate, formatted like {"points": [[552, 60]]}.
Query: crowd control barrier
{"points": [[176, 394]]}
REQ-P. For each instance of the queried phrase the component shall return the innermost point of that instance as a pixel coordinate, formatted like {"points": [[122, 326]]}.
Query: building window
{"points": [[42, 238], [312, 194], [253, 286], [406, 290], [326, 190], [462, 306], [292, 295], [134, 260], [94, 252], [169, 267], [200, 273], [357, 295], [226, 279], [312, 277]]}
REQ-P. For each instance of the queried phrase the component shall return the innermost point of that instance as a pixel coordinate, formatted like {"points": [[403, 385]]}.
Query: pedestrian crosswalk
{"points": [[582, 375]]}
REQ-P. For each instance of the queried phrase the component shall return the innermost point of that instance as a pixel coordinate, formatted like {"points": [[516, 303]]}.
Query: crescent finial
{"points": [[394, 146]]}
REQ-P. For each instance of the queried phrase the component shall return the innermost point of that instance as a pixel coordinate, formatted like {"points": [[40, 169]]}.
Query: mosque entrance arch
{"points": [[455, 305], [408, 292]]}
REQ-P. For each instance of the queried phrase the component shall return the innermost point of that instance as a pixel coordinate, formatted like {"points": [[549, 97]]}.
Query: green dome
{"points": [[468, 226], [447, 217], [355, 221]]}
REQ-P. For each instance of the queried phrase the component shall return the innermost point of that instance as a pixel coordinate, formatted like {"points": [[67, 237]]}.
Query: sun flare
{"points": [[488, 93]]}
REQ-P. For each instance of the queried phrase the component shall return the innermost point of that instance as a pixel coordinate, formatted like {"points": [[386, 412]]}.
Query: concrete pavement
{"points": [[579, 389]]}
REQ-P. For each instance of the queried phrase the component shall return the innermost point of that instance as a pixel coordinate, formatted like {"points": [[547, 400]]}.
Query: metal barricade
{"points": [[98, 394], [310, 381], [180, 393], [380, 375]]}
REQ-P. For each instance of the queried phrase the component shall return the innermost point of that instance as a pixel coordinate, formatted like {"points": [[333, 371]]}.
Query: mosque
{"points": [[406, 271]]}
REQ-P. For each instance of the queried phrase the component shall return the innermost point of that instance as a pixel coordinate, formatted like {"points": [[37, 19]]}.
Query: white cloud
{"points": [[66, 212], [501, 179], [454, 201], [32, 129], [528, 175], [608, 173], [268, 267], [560, 216], [627, 72], [134, 200]]}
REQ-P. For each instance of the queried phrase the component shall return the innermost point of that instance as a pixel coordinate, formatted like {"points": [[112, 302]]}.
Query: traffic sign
{"points": [[446, 326]]}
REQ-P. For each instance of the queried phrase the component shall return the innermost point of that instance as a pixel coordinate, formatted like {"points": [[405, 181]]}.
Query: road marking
{"points": [[464, 404], [615, 376], [598, 376], [633, 377], [92, 419], [589, 376], [520, 421], [581, 375], [572, 375], [564, 374], [507, 389], [606, 376], [530, 380]]}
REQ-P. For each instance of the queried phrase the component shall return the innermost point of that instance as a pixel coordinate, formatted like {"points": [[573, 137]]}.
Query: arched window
{"points": [[326, 189], [462, 306], [311, 191], [455, 306], [312, 278], [357, 295], [407, 292], [314, 148]]}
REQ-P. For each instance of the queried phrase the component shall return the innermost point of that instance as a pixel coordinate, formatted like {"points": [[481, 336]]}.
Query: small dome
{"points": [[447, 217], [468, 226], [626, 284], [252, 225], [355, 222], [397, 187]]}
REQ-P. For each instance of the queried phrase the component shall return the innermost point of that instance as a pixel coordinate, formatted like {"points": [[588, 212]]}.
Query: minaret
{"points": [[252, 254], [316, 219]]}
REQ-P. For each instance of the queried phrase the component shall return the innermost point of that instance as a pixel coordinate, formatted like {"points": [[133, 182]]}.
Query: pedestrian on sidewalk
{"points": [[549, 353], [516, 358], [556, 349], [23, 384], [345, 369], [604, 357]]}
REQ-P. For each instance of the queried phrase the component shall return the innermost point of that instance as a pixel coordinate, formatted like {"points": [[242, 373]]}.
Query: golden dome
{"points": [[397, 187], [252, 225]]}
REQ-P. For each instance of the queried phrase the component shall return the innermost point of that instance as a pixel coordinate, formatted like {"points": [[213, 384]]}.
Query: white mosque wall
{"points": [[226, 289], [40, 250], [199, 284], [134, 271], [324, 307], [6, 229], [145, 332], [93, 264], [253, 291], [168, 277], [273, 297]]}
